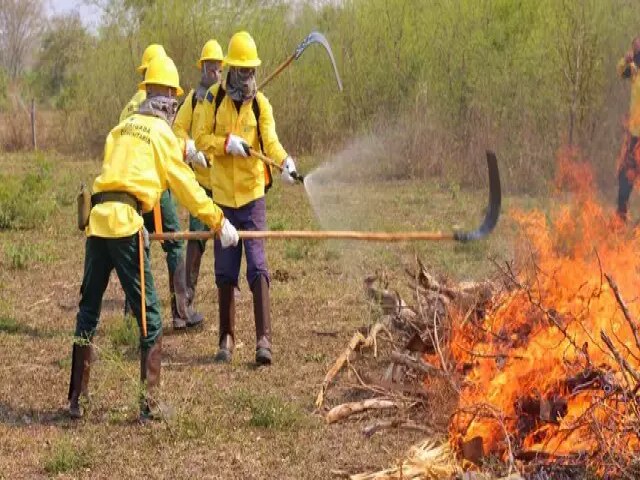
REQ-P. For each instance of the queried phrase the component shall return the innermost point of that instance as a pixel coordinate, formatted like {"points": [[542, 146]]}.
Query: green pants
{"points": [[170, 223], [197, 225], [102, 255]]}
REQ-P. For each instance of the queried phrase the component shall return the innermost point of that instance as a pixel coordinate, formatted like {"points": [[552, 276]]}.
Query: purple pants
{"points": [[252, 216]]}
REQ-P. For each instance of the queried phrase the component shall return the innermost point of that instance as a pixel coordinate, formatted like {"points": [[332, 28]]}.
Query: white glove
{"points": [[200, 160], [288, 168], [194, 157], [235, 145], [190, 151], [228, 234]]}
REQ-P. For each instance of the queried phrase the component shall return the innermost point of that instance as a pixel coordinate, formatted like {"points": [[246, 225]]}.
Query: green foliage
{"points": [[9, 325], [64, 457], [267, 411], [124, 333], [21, 255], [25, 201], [437, 81], [64, 45]]}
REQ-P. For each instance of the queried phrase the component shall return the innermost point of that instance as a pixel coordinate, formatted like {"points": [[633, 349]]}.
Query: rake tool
{"points": [[313, 37], [488, 224]]}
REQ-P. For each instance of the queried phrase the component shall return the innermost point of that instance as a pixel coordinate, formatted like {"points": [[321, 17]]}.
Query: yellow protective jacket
{"points": [[183, 128], [630, 70], [236, 181], [142, 156], [134, 103]]}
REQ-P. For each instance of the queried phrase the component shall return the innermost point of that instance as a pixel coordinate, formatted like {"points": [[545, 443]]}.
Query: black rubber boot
{"points": [[182, 314], [81, 360], [150, 365], [227, 311], [192, 262], [262, 315]]}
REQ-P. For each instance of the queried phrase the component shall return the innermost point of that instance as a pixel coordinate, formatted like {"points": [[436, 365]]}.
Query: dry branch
{"points": [[357, 340], [625, 310], [416, 364], [619, 358], [347, 409], [395, 423]]}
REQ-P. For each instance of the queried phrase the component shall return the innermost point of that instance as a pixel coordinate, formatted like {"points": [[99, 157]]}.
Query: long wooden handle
{"points": [[313, 234], [265, 159], [143, 293], [282, 66]]}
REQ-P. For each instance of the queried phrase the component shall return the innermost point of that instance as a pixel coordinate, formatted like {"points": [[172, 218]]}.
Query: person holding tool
{"points": [[210, 66], [164, 217], [230, 123], [142, 158]]}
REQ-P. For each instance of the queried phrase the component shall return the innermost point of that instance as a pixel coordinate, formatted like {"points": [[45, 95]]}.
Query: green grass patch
{"points": [[11, 326], [64, 457], [124, 333], [267, 411], [26, 201], [296, 250], [20, 255]]}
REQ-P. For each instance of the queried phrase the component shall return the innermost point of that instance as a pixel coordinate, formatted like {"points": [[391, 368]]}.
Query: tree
{"points": [[21, 24], [62, 48]]}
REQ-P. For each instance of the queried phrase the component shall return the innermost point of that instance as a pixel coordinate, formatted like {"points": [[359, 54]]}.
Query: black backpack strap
{"points": [[216, 104], [194, 101], [255, 106]]}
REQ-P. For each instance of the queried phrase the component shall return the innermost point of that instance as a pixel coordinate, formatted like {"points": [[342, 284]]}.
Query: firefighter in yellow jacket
{"points": [[210, 66], [630, 162], [227, 124], [142, 158], [182, 314]]}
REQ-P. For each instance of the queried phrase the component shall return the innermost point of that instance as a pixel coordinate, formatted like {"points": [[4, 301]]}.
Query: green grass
{"points": [[20, 256], [64, 457], [123, 332], [26, 200], [267, 411]]}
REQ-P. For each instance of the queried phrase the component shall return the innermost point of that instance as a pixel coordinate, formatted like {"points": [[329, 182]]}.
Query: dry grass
{"points": [[231, 421]]}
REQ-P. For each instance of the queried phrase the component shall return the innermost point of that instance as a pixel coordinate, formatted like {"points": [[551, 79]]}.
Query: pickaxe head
{"points": [[317, 37]]}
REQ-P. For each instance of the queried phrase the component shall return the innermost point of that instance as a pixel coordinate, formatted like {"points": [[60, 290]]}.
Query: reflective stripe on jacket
{"points": [[236, 181], [142, 156]]}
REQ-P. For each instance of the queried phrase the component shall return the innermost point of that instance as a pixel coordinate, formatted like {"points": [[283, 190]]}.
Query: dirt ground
{"points": [[229, 421]]}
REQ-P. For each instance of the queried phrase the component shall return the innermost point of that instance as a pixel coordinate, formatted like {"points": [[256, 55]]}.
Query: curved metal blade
{"points": [[493, 210], [317, 37]]}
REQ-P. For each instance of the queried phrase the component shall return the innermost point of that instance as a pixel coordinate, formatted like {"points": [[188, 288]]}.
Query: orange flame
{"points": [[539, 375]]}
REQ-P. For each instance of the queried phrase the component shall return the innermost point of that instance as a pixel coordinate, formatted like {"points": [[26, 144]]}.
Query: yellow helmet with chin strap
{"points": [[149, 54], [162, 71], [211, 51], [242, 51]]}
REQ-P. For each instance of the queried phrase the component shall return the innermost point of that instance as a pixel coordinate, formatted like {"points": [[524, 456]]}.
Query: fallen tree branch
{"points": [[346, 409], [417, 364], [624, 308], [357, 340], [619, 358], [395, 423]]}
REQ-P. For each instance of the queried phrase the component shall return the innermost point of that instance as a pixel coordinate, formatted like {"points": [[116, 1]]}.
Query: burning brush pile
{"points": [[545, 360]]}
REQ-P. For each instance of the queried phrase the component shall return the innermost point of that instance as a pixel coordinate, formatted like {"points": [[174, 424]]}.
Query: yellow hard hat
{"points": [[211, 51], [162, 71], [242, 51], [149, 54]]}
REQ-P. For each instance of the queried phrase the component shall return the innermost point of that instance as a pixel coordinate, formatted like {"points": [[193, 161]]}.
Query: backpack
{"points": [[268, 181]]}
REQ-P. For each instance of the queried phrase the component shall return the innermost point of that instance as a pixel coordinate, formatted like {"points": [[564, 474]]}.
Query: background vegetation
{"points": [[438, 81]]}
